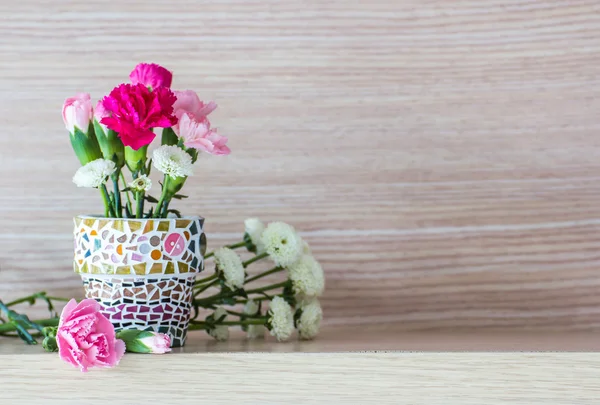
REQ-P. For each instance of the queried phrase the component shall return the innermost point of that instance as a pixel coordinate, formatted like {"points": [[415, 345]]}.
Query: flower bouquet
{"points": [[139, 261]]}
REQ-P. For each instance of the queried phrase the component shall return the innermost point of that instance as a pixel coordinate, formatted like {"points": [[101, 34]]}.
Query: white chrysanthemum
{"points": [[254, 228], [282, 243], [281, 319], [251, 307], [310, 319], [94, 174], [142, 183], [230, 265], [307, 277], [172, 161], [219, 332]]}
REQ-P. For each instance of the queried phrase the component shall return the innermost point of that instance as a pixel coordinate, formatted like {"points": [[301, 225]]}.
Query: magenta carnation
{"points": [[151, 75], [133, 110]]}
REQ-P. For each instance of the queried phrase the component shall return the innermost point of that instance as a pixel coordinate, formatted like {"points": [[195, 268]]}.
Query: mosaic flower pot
{"points": [[142, 271]]}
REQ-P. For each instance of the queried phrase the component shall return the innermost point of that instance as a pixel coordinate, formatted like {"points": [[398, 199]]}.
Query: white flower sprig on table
{"points": [[295, 306]]}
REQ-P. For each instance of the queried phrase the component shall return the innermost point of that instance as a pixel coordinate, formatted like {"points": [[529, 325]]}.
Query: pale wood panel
{"points": [[309, 378], [441, 157]]}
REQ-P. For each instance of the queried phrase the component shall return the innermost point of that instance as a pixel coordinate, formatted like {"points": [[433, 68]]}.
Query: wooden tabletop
{"points": [[344, 364]]}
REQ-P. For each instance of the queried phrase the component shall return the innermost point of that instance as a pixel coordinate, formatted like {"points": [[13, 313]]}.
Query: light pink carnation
{"points": [[86, 338], [77, 112], [199, 135], [151, 75], [188, 102]]}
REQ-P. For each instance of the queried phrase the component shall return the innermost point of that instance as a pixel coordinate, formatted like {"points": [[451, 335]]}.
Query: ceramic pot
{"points": [[142, 271]]}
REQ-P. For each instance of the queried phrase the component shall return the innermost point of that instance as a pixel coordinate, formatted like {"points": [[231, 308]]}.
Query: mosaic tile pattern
{"points": [[142, 271], [138, 246], [161, 304]]}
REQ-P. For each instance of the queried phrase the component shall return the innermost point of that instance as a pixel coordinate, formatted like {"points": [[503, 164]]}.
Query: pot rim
{"points": [[89, 216]]}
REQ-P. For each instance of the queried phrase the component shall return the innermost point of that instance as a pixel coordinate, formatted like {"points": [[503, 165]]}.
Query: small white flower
{"points": [[307, 277], [94, 174], [219, 332], [172, 161], [282, 243], [254, 229], [310, 319], [230, 265], [281, 319], [142, 183], [251, 307]]}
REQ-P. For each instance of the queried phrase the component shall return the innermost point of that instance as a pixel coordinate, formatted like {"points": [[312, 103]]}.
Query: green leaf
{"points": [[180, 196], [249, 245], [151, 199], [176, 212]]}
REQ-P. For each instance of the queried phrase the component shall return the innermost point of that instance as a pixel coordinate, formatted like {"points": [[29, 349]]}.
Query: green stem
{"points": [[240, 314], [257, 321], [266, 273], [255, 259], [108, 209], [9, 327], [118, 208], [204, 280], [268, 287], [139, 210], [256, 290], [127, 192], [204, 288], [232, 246], [161, 200]]}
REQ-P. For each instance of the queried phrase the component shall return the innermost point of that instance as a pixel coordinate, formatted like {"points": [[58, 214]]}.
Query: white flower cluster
{"points": [[309, 322], [230, 265], [281, 319], [282, 243], [219, 332], [307, 277], [172, 161], [94, 174]]}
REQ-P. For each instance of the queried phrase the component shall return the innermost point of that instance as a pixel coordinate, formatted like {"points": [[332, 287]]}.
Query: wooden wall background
{"points": [[442, 157]]}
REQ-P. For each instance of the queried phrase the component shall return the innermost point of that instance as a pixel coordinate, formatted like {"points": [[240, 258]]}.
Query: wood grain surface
{"points": [[441, 157], [307, 378]]}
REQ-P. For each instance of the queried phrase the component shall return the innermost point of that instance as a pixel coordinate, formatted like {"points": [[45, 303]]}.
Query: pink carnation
{"points": [[133, 110], [85, 338], [199, 135], [151, 75], [188, 102]]}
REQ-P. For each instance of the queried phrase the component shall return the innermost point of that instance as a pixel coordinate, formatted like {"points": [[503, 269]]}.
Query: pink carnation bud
{"points": [[77, 112], [151, 75], [158, 343], [85, 338]]}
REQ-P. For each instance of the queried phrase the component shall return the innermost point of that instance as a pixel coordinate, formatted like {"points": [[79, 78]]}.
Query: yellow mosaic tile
{"points": [[139, 269], [156, 268], [183, 267], [170, 269], [163, 226]]}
